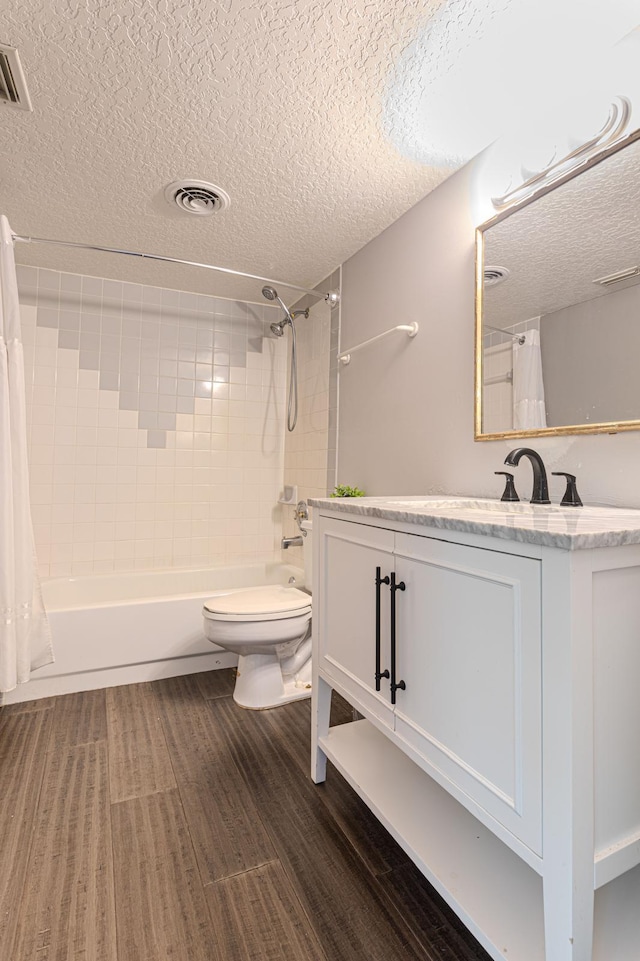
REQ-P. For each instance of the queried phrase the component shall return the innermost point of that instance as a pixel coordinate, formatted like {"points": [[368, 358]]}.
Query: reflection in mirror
{"points": [[558, 307]]}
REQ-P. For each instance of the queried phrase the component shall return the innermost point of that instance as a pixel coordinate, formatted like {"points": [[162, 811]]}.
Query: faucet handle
{"points": [[301, 513], [571, 497], [510, 493]]}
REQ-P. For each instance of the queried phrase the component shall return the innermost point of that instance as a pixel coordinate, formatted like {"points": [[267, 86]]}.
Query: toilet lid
{"points": [[252, 601]]}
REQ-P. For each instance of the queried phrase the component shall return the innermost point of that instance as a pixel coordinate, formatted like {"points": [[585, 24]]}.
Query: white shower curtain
{"points": [[25, 637], [528, 387]]}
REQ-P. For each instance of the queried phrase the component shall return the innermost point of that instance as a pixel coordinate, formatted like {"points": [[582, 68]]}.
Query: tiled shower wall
{"points": [[310, 450], [155, 425]]}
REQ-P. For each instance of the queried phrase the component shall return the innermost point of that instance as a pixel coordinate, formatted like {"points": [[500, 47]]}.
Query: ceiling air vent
{"points": [[13, 86], [495, 275], [196, 197]]}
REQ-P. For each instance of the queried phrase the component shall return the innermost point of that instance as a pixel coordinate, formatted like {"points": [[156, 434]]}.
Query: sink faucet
{"points": [[540, 493]]}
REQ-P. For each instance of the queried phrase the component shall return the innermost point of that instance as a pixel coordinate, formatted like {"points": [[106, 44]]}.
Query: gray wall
{"points": [[590, 355], [406, 406]]}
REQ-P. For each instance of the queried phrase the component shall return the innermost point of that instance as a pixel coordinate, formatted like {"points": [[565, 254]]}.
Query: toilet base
{"points": [[260, 683]]}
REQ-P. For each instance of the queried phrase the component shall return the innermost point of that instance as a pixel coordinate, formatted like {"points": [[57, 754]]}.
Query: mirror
{"points": [[558, 334]]}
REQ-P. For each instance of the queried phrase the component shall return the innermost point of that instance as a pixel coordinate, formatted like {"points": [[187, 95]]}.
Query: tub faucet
{"points": [[292, 542], [540, 494]]}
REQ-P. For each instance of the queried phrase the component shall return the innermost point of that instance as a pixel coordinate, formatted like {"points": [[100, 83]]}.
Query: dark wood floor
{"points": [[159, 822]]}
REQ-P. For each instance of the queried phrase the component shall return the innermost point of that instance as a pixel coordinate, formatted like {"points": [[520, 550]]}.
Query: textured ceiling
{"points": [[279, 102], [558, 245]]}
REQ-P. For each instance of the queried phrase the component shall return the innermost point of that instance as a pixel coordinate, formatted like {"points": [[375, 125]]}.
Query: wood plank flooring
{"points": [[159, 821]]}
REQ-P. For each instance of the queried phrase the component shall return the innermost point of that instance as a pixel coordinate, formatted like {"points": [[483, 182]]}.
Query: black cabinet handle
{"points": [[379, 674], [400, 685]]}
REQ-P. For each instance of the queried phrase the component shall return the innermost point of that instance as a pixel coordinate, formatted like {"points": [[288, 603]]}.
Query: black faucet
{"points": [[540, 493]]}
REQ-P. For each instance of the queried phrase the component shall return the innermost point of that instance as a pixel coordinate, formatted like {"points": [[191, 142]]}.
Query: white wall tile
{"points": [[102, 498]]}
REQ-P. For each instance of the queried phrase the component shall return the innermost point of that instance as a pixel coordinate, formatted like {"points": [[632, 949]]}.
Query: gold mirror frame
{"points": [[612, 427]]}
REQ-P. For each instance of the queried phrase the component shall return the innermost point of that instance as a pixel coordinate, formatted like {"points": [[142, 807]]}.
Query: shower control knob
{"points": [[301, 513]]}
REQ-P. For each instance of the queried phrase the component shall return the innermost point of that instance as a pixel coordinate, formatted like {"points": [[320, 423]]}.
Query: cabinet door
{"points": [[469, 652], [345, 611]]}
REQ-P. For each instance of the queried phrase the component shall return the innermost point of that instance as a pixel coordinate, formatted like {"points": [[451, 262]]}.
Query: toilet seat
{"points": [[270, 603]]}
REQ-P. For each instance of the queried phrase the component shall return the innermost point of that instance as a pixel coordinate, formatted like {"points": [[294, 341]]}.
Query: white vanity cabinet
{"points": [[507, 764], [467, 652], [346, 591]]}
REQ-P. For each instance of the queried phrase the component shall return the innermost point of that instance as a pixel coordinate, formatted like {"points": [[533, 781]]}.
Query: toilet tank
{"points": [[308, 552]]}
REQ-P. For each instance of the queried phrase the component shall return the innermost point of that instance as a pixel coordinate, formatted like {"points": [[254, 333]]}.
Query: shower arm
{"points": [[331, 296]]}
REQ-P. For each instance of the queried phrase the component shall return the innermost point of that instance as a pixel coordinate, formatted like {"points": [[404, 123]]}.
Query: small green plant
{"points": [[343, 490]]}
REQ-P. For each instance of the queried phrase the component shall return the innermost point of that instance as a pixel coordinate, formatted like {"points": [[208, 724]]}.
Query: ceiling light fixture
{"points": [[481, 69], [618, 277], [558, 166]]}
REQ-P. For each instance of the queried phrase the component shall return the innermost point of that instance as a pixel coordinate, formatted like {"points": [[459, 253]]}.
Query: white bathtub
{"points": [[111, 629]]}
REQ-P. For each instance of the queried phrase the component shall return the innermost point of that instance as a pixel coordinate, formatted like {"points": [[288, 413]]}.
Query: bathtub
{"points": [[111, 629]]}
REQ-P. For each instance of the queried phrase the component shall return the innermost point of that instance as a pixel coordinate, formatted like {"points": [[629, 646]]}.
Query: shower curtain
{"points": [[528, 387], [25, 637]]}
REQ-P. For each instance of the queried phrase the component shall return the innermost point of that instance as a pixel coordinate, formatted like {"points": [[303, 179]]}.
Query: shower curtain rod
{"points": [[499, 330], [331, 296]]}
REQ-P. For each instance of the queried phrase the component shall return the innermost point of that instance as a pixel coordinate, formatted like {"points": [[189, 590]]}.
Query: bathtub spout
{"points": [[291, 542]]}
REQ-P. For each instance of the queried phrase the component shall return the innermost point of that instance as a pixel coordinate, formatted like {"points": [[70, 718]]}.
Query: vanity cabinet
{"points": [[506, 765], [467, 656], [350, 554]]}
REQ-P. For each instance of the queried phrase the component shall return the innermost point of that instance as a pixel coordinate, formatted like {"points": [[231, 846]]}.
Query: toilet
{"points": [[269, 628]]}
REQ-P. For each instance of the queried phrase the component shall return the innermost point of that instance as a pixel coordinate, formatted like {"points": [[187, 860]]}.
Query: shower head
{"points": [[270, 293], [277, 328]]}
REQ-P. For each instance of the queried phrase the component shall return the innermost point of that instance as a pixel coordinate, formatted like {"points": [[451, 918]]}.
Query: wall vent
{"points": [[13, 86]]}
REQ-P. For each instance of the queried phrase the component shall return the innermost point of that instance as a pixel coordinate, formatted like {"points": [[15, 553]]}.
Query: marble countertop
{"points": [[568, 528]]}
